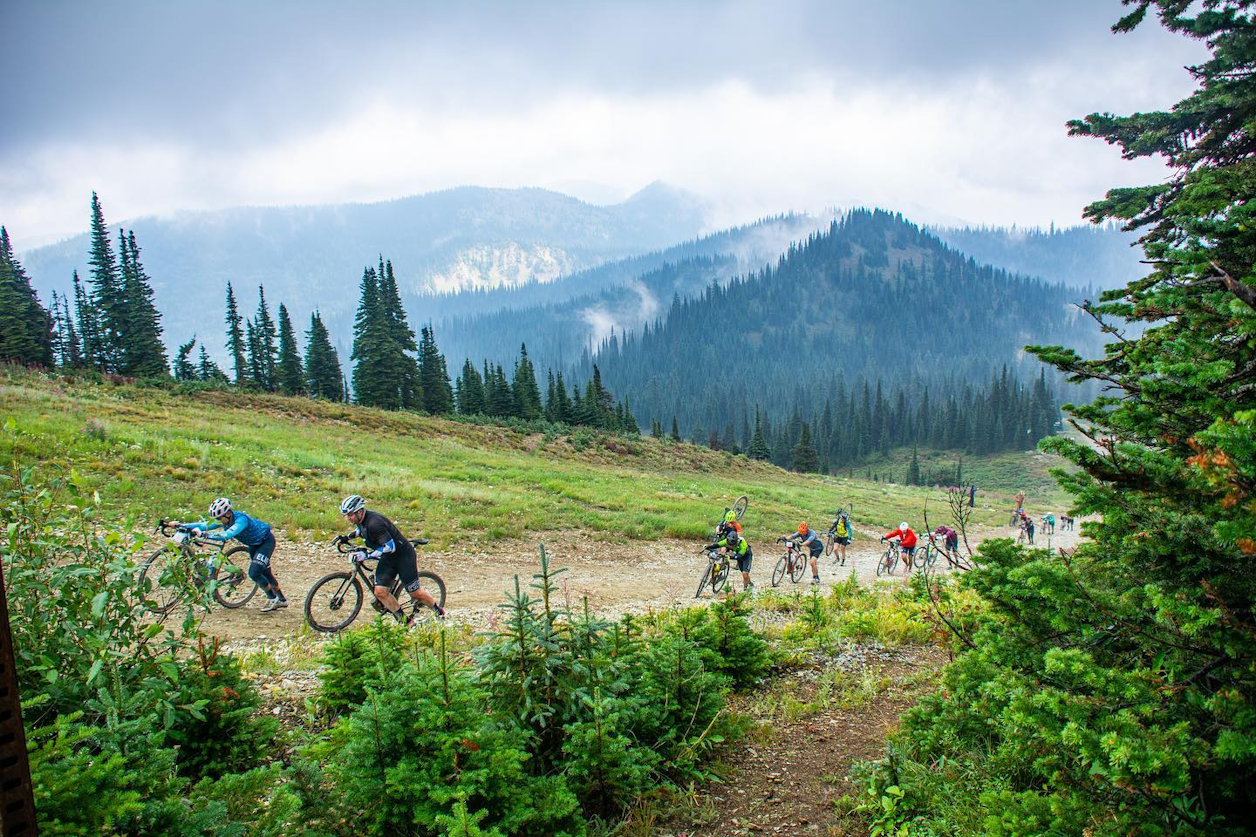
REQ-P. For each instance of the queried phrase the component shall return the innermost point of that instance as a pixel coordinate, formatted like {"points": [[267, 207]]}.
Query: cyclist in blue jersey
{"points": [[806, 536], [253, 533]]}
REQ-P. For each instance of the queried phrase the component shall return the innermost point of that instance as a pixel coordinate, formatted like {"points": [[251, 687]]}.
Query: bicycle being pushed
{"points": [[716, 573], [792, 563], [336, 599], [167, 570]]}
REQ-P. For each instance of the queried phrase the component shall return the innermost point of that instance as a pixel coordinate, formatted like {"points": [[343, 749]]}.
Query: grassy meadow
{"points": [[153, 453]]}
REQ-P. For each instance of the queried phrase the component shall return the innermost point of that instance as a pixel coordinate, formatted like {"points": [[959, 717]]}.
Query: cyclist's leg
{"points": [[260, 571], [408, 570], [817, 549], [743, 564], [385, 572]]}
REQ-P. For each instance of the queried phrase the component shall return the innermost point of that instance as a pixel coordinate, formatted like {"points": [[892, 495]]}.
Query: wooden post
{"points": [[17, 799]]}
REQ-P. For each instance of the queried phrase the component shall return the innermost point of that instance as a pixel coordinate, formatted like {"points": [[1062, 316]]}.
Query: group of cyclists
{"points": [[730, 538], [382, 542]]}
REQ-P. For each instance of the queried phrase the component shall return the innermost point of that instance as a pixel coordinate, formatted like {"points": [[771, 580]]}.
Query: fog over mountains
{"points": [[493, 268]]}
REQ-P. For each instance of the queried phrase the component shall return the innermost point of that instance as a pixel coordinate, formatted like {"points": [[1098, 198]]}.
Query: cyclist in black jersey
{"points": [[396, 556]]}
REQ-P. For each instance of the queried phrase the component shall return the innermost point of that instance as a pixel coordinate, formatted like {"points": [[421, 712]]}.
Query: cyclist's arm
{"points": [[237, 526], [202, 526], [386, 549]]}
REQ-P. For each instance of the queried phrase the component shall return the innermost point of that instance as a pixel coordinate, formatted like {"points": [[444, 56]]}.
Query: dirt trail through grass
{"points": [[618, 578]]}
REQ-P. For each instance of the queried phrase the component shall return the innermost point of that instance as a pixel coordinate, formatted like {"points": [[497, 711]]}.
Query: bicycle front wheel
{"points": [[885, 566], [156, 582], [333, 602], [234, 587], [706, 576], [797, 569], [778, 572], [828, 545], [739, 507], [719, 576]]}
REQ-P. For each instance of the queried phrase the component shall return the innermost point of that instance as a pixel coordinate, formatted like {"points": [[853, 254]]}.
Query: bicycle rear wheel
{"points": [[155, 580], [739, 507], [418, 613], [234, 588], [828, 544], [333, 602]]}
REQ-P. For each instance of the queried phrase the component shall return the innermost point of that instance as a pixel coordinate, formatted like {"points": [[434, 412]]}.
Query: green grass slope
{"points": [[154, 453]]}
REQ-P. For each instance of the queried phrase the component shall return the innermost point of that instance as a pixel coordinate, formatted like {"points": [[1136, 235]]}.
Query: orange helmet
{"points": [[802, 528]]}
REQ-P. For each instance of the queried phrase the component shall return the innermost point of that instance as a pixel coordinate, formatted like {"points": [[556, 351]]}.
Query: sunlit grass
{"points": [[152, 454]]}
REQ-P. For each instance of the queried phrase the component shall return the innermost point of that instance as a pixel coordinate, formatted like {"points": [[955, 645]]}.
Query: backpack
{"points": [[842, 527]]}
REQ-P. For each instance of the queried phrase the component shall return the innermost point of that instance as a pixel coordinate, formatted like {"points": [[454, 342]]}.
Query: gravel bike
{"points": [[336, 599], [792, 562], [716, 573], [226, 572], [887, 562], [926, 554]]}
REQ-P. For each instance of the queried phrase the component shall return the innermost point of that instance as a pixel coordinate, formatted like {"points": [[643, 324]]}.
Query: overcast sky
{"points": [[941, 109]]}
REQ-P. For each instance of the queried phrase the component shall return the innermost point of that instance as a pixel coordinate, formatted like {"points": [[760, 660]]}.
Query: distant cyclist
{"points": [[805, 536], [1048, 523], [950, 539], [738, 547], [730, 522], [906, 544], [396, 556], [842, 533], [253, 533]]}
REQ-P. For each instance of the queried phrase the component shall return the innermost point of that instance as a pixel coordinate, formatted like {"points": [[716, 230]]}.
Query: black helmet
{"points": [[733, 538]]}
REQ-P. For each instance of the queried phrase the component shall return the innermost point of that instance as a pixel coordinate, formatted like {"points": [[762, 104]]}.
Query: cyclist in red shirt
{"points": [[906, 543]]}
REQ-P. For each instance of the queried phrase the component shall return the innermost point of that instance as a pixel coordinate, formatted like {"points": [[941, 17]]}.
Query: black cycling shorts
{"points": [[743, 561], [404, 564], [817, 548]]}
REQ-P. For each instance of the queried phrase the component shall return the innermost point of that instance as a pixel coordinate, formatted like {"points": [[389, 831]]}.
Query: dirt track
{"points": [[617, 577]]}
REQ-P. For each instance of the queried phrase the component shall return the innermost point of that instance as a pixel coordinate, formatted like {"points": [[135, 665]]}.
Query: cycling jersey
{"points": [[841, 527], [906, 539], [742, 553], [382, 536], [247, 530], [949, 535]]}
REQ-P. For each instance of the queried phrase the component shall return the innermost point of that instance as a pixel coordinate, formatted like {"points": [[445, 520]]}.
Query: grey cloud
{"points": [[231, 73]]}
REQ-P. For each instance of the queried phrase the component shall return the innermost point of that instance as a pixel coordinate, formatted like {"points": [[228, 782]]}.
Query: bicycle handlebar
{"points": [[343, 545]]}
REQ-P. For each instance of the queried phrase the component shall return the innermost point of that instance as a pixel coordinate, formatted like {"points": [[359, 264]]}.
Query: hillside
{"points": [[872, 298], [312, 256], [1084, 257], [152, 453]]}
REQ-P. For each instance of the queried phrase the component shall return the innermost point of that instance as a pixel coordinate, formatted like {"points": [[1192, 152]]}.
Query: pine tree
{"points": [[88, 326], [235, 339], [25, 325], [758, 445], [438, 396], [675, 435], [913, 469], [107, 293], [400, 346], [803, 457], [470, 390], [323, 378], [71, 339], [524, 386], [562, 403], [290, 377], [370, 354], [183, 368], [141, 353], [262, 349], [207, 370]]}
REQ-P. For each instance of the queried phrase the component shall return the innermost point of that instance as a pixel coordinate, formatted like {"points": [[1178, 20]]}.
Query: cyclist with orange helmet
{"points": [[806, 536]]}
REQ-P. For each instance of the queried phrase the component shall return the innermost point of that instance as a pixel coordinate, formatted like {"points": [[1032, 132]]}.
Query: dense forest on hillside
{"points": [[871, 298], [1086, 257]]}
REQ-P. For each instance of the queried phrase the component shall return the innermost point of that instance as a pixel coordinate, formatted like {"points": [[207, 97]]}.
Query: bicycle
{"points": [[336, 599], [792, 562], [716, 573], [230, 581], [887, 562], [738, 508], [926, 555]]}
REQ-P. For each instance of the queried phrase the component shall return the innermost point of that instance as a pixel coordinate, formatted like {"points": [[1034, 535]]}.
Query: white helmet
{"points": [[219, 507], [352, 503], [902, 527]]}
